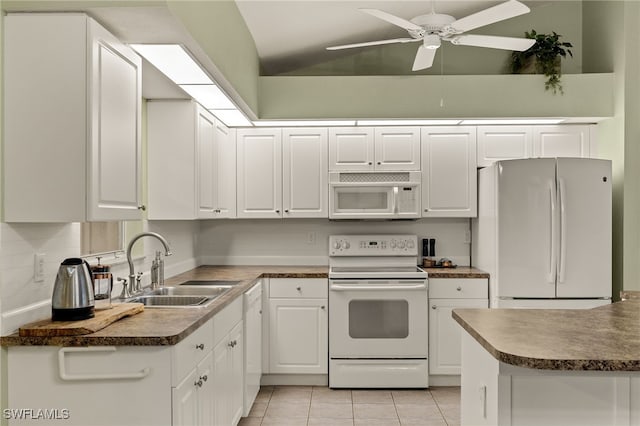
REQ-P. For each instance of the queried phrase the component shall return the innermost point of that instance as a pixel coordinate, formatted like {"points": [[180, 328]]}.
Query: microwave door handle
{"points": [[395, 200]]}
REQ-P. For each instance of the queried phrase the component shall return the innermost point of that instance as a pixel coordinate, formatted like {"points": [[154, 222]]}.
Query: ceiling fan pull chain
{"points": [[442, 78]]}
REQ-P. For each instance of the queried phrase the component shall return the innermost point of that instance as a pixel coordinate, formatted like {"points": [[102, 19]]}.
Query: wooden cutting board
{"points": [[103, 318]]}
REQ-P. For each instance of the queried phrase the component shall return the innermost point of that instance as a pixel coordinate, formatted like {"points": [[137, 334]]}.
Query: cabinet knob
{"points": [[286, 211], [426, 210], [142, 207], [459, 288], [277, 211], [434, 307], [299, 288], [323, 307], [198, 383], [200, 346], [379, 162], [230, 344], [370, 163], [260, 311], [204, 378]]}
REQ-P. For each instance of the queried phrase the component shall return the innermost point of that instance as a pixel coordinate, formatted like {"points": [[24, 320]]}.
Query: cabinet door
{"points": [[351, 148], [561, 141], [497, 143], [259, 173], [445, 334], [397, 148], [298, 336], [253, 345], [225, 171], [206, 395], [171, 160], [184, 401], [304, 172], [205, 123], [449, 178], [115, 178], [221, 382], [236, 366]]}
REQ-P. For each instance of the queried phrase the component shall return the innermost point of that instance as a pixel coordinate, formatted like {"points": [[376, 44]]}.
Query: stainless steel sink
{"points": [[211, 283], [192, 291], [162, 301]]}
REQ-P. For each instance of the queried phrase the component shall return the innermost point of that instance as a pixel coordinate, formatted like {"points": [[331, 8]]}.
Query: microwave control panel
{"points": [[373, 245]]}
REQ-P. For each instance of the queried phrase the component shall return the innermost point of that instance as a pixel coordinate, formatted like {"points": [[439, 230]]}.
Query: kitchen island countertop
{"points": [[168, 326], [606, 338]]}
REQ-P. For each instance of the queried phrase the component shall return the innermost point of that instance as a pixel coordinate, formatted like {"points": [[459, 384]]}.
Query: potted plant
{"points": [[543, 57]]}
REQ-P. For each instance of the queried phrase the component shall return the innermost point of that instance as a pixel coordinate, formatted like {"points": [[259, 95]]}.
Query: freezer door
{"points": [[584, 200], [526, 205]]}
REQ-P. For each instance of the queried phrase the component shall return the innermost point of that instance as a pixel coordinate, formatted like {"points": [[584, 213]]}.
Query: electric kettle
{"points": [[73, 291]]}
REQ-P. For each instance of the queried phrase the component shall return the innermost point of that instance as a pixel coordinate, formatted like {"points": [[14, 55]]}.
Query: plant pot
{"points": [[531, 66]]}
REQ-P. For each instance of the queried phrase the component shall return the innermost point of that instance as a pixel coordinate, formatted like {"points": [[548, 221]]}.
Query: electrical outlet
{"points": [[467, 236], [311, 238], [38, 267]]}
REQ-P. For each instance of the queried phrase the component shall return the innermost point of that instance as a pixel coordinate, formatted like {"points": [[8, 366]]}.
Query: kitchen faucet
{"points": [[133, 288]]}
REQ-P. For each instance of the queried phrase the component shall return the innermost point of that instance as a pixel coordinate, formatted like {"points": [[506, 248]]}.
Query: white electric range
{"points": [[378, 313]]}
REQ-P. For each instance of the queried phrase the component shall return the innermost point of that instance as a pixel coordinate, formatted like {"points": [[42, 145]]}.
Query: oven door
{"points": [[378, 319]]}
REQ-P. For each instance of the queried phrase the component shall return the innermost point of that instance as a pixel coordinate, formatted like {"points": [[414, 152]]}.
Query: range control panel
{"points": [[373, 245]]}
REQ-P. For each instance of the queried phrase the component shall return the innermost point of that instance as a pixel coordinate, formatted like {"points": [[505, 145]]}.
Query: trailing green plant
{"points": [[547, 51]]}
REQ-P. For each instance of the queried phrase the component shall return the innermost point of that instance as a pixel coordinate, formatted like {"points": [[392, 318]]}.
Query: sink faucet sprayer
{"points": [[133, 286]]}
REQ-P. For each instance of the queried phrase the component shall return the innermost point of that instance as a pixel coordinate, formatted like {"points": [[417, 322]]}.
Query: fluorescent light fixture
{"points": [[208, 95], [231, 117], [306, 123], [490, 121], [174, 62], [408, 122]]}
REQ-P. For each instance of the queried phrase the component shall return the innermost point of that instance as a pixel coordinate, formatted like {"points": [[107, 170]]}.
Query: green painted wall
{"points": [[219, 29], [563, 17]]}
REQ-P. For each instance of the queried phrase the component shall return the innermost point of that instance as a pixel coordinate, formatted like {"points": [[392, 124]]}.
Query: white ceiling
{"points": [[294, 33]]}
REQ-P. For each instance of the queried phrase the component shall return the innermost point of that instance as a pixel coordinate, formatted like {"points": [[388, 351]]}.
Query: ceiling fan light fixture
{"points": [[432, 41]]}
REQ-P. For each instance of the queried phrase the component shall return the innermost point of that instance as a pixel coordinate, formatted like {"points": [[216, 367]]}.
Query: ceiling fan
{"points": [[433, 27]]}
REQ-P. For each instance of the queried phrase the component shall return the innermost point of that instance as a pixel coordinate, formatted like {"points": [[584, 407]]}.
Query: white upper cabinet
{"points": [[351, 148], [497, 143], [206, 184], [369, 149], [82, 160], [224, 172], [562, 141], [259, 173], [397, 148], [449, 172], [304, 172]]}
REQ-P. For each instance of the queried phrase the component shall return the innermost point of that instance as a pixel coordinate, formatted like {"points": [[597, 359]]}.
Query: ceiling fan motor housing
{"points": [[432, 23]]}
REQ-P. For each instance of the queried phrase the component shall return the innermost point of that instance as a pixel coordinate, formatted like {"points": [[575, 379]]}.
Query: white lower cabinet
{"points": [[446, 294], [228, 365], [298, 326], [192, 400]]}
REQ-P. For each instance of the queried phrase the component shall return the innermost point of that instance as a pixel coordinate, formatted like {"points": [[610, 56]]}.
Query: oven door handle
{"points": [[360, 287]]}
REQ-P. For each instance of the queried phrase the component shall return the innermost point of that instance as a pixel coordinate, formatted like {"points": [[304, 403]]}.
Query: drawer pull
{"points": [[200, 346], [198, 383], [204, 378], [97, 376], [459, 288]]}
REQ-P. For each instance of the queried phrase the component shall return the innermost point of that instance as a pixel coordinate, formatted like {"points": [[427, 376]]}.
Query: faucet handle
{"points": [[126, 292]]}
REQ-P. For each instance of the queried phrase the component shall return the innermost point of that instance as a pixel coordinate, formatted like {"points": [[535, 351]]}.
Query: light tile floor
{"points": [[321, 406]]}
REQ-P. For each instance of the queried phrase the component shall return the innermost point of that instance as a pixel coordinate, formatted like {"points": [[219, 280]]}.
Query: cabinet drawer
{"points": [[191, 351], [226, 319], [308, 288], [458, 288]]}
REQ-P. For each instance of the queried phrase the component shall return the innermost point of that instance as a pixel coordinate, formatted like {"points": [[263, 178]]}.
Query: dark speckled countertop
{"points": [[606, 338], [168, 326]]}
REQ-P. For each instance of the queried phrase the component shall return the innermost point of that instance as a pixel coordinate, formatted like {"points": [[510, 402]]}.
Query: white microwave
{"points": [[374, 195]]}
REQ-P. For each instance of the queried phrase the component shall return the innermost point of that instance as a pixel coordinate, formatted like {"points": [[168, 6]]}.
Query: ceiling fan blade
{"points": [[496, 13], [402, 23], [494, 42], [424, 58], [374, 43]]}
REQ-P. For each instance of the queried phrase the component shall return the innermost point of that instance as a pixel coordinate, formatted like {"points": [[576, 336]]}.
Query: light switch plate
{"points": [[38, 267]]}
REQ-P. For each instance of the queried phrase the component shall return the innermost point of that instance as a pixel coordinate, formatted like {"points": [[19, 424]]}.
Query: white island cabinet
{"points": [[82, 161]]}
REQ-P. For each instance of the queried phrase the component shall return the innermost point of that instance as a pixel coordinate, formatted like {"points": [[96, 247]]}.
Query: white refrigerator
{"points": [[543, 232]]}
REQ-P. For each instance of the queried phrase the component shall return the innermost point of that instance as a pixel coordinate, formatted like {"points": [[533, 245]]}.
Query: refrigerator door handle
{"points": [[563, 231], [551, 276]]}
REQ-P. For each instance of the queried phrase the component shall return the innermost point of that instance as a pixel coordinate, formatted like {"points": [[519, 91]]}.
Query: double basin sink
{"points": [[189, 294]]}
